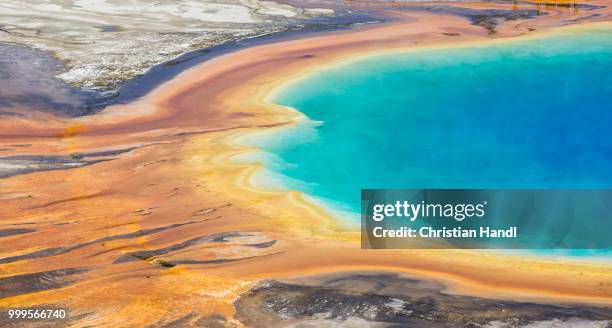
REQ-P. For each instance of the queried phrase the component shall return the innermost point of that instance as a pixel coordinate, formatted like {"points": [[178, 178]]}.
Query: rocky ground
{"points": [[390, 300], [105, 42]]}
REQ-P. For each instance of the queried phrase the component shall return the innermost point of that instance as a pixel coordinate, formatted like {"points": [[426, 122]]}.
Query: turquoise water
{"points": [[527, 114]]}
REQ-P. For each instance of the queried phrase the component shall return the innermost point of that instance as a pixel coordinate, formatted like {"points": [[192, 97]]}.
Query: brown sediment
{"points": [[38, 281], [179, 222]]}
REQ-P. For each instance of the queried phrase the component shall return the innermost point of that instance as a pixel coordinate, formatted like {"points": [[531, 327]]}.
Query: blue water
{"points": [[527, 114]]}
